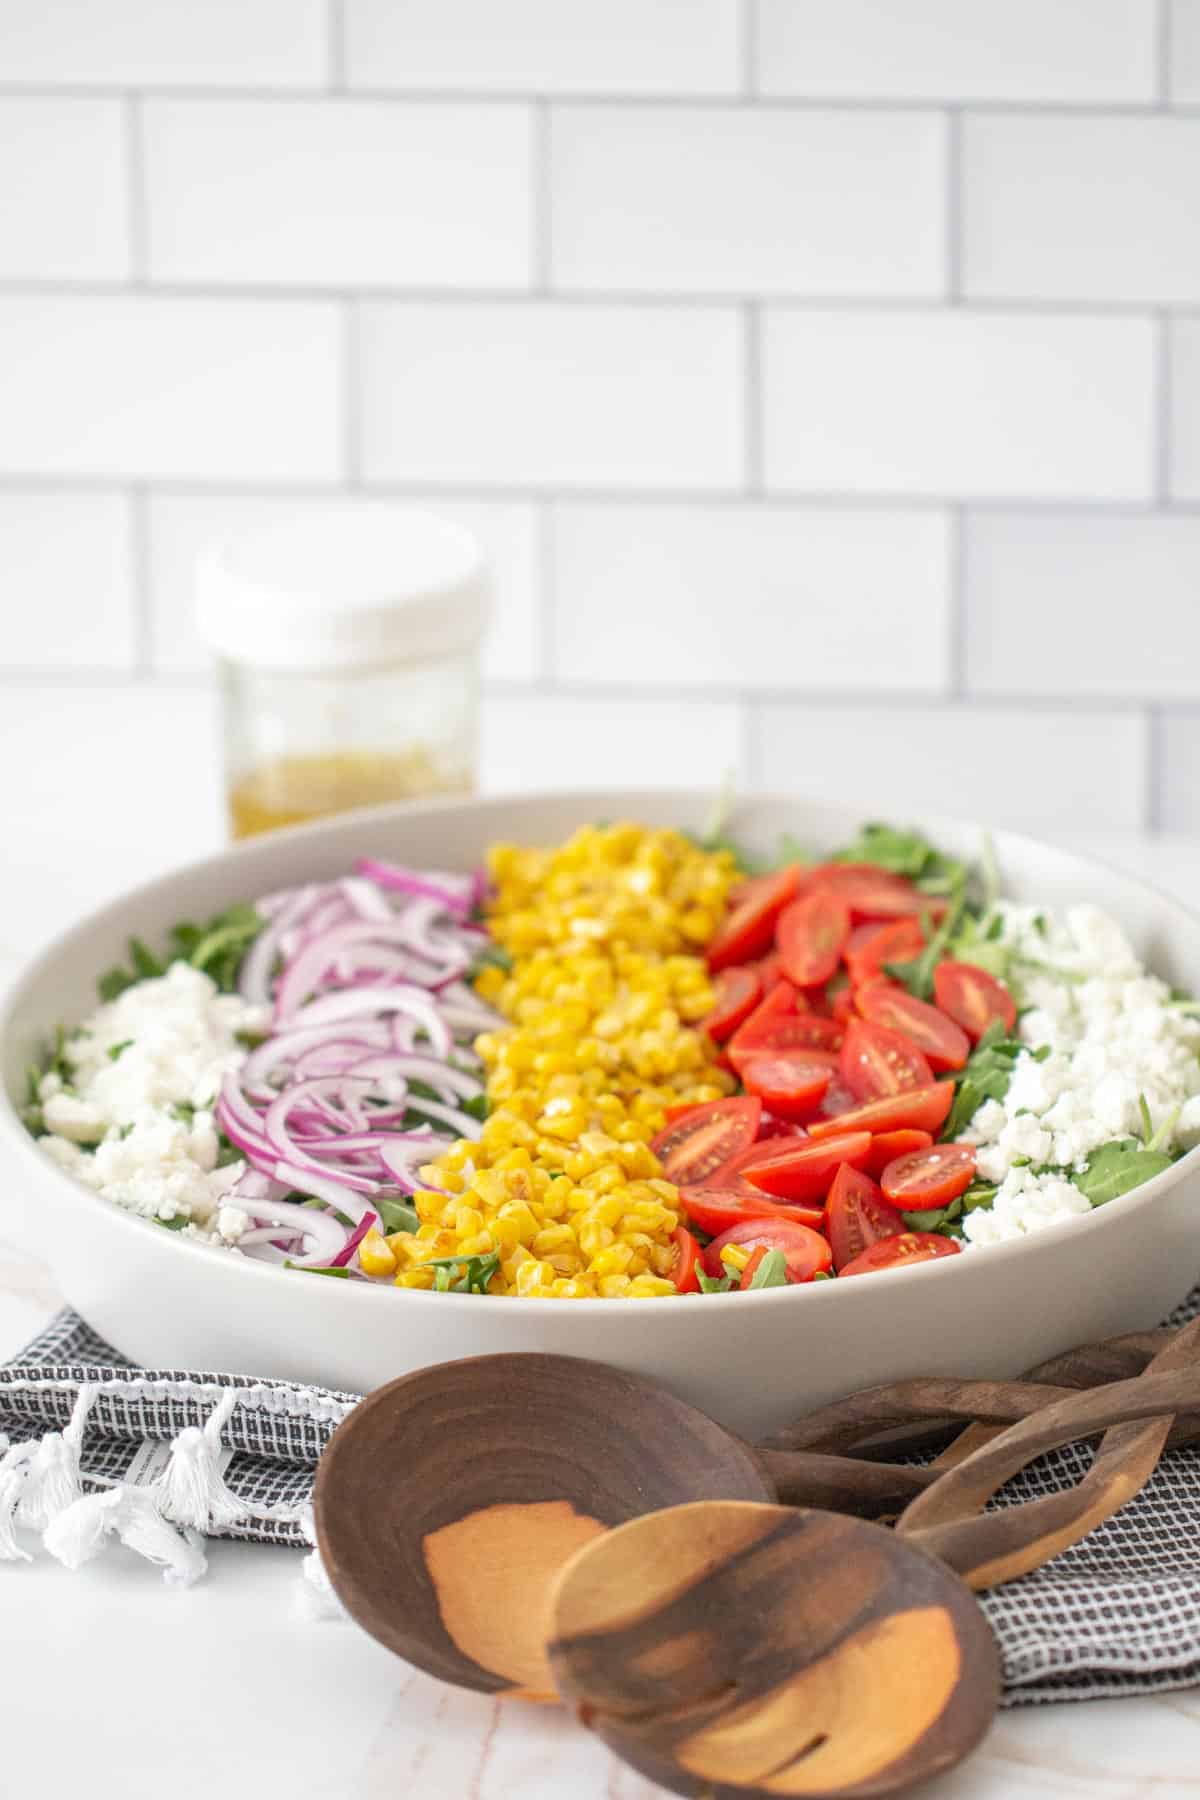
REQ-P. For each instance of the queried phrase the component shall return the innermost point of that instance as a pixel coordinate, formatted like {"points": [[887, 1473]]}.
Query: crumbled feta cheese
{"points": [[1114, 1041], [146, 1069]]}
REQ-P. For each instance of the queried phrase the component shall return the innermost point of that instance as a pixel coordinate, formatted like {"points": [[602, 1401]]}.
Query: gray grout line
{"points": [[753, 399], [143, 624], [957, 657], [678, 300], [268, 487], [725, 100], [135, 189], [542, 151], [954, 206], [748, 48], [1162, 409], [1163, 50], [350, 372], [335, 20], [1155, 772], [816, 699]]}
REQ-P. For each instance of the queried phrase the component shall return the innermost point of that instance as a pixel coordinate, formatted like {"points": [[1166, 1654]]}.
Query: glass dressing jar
{"points": [[347, 642]]}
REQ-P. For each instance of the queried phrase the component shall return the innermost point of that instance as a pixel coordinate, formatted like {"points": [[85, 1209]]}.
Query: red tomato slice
{"points": [[750, 925], [797, 1031], [921, 1109], [687, 1257], [898, 942], [973, 997], [843, 1006], [896, 1252], [757, 1256], [700, 1140], [872, 893], [805, 1171], [888, 1145], [771, 1127], [791, 1082], [929, 1177], [715, 1209], [876, 1062], [805, 1251], [738, 992], [943, 1044], [838, 1100], [769, 970], [810, 934], [856, 1215]]}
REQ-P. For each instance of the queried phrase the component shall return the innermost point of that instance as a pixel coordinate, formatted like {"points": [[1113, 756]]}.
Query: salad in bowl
{"points": [[635, 1062]]}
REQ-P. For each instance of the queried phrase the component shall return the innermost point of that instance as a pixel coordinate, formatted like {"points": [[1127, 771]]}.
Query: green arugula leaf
{"points": [[218, 948], [395, 1215], [986, 1076], [115, 1050], [714, 1284], [945, 1219], [917, 975], [492, 956], [305, 1269], [906, 853], [477, 1271], [771, 1271], [1115, 1168], [478, 1108], [178, 1223], [825, 1275]]}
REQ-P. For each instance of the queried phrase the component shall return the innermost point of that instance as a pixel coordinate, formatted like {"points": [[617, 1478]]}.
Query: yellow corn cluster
{"points": [[603, 998]]}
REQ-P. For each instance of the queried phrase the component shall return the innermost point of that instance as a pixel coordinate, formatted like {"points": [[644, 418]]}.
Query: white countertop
{"points": [[116, 1687]]}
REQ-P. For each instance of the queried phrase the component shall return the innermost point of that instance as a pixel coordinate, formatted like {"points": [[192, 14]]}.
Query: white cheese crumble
{"points": [[1113, 1040], [135, 1121]]}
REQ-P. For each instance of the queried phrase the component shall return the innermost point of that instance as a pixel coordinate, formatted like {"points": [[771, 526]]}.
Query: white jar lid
{"points": [[343, 585]]}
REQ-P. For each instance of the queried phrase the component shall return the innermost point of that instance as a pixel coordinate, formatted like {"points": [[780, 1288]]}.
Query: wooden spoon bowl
{"points": [[448, 1500], [732, 1649]]}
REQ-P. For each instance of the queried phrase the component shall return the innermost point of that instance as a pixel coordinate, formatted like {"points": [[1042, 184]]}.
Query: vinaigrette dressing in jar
{"points": [[347, 640]]}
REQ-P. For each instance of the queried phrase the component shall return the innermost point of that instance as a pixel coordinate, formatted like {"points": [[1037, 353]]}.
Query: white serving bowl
{"points": [[753, 1363]]}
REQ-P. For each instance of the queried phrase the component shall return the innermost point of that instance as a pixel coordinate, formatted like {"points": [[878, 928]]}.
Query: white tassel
{"points": [[53, 1480], [190, 1490], [14, 1472], [318, 1600], [130, 1514]]}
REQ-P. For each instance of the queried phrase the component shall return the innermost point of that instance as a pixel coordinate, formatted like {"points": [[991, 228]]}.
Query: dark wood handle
{"points": [[844, 1484], [998, 1546]]}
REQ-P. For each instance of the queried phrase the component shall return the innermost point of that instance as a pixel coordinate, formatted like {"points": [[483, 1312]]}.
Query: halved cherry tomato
{"points": [[715, 1209], [805, 1171], [778, 1001], [921, 1109], [838, 1100], [687, 1257], [876, 1062], [786, 1032], [700, 1140], [929, 1177], [872, 893], [769, 969], [729, 1176], [810, 934], [973, 997], [770, 1127], [943, 1044], [750, 925], [805, 1251], [898, 942], [789, 1082], [861, 936], [895, 1252], [843, 1006], [888, 1145], [856, 1214], [738, 992]]}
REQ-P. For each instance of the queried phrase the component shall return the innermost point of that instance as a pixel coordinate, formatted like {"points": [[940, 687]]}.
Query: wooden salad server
{"points": [[448, 1500], [730, 1649]]}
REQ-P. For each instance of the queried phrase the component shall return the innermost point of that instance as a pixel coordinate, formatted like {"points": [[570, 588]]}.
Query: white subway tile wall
{"points": [[822, 378]]}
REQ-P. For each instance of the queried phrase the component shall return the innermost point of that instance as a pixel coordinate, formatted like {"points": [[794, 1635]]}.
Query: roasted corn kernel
{"points": [[603, 1003]]}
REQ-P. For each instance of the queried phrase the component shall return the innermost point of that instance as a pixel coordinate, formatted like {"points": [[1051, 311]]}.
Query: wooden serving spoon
{"points": [[447, 1500], [732, 1649]]}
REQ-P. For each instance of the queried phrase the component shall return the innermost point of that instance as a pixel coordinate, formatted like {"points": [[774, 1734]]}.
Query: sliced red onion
{"points": [[326, 1235], [418, 1068], [254, 980], [460, 1122], [451, 891], [354, 1002]]}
